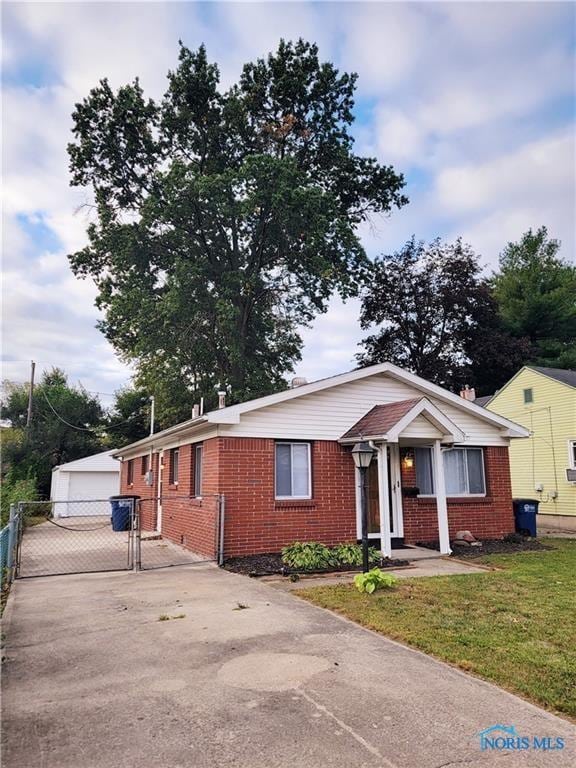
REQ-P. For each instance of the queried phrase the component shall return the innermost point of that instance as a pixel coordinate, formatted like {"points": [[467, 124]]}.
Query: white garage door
{"points": [[91, 486]]}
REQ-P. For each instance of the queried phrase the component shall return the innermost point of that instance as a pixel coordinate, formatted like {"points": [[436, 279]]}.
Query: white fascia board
{"points": [[140, 447], [515, 430]]}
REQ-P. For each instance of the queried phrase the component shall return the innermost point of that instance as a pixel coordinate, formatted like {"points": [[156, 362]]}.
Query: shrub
{"points": [[351, 554], [15, 489], [307, 556], [373, 580]]}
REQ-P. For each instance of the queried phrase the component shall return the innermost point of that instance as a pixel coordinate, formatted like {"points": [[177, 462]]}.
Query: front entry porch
{"points": [[388, 428]]}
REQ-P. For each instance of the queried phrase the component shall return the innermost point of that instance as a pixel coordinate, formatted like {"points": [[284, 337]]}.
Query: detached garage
{"points": [[94, 478]]}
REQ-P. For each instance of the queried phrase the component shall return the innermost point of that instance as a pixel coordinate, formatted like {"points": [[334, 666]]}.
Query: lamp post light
{"points": [[362, 454]]}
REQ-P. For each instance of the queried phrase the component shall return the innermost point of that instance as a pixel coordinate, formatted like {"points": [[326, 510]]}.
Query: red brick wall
{"points": [[489, 517], [139, 488], [256, 522], [243, 470], [192, 523]]}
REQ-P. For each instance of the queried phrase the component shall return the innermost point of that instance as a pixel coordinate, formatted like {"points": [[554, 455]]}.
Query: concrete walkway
{"points": [[426, 567], [248, 677]]}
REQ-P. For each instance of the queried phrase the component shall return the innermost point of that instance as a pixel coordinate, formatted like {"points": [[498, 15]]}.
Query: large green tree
{"points": [[128, 420], [65, 425], [224, 218], [535, 290]]}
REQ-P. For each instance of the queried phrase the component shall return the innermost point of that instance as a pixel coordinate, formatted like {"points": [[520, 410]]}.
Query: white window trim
{"points": [[571, 453], [198, 447], [175, 475], [460, 495], [291, 443]]}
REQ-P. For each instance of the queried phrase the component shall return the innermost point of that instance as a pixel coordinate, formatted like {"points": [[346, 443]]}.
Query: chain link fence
{"points": [[87, 536], [191, 530]]}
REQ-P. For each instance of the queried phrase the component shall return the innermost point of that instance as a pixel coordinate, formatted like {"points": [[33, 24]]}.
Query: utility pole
{"points": [[152, 414], [30, 392]]}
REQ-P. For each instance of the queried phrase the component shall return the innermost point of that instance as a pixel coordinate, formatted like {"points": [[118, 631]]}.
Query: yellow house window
{"points": [[572, 453], [528, 396]]}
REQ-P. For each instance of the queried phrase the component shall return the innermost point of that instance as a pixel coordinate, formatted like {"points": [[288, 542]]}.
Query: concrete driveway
{"points": [[250, 677]]}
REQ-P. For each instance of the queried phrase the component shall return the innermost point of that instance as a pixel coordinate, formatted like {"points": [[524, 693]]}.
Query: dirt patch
{"points": [[270, 563], [508, 546]]}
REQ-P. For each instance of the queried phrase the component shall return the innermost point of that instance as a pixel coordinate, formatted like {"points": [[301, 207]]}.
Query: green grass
{"points": [[515, 627]]}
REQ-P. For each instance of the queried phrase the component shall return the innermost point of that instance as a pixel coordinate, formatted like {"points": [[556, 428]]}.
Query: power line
{"points": [[87, 429]]}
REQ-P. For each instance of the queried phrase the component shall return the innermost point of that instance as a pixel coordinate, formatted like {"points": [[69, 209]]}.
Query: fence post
{"points": [[222, 509], [136, 551], [12, 523]]}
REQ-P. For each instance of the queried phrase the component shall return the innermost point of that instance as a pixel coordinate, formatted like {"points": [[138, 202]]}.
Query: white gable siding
{"points": [[99, 462], [328, 414], [421, 427]]}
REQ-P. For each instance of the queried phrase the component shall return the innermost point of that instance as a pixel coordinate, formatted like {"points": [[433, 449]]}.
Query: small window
{"points": [[197, 489], [144, 466], [528, 396], [572, 453], [293, 470], [130, 472], [173, 477]]}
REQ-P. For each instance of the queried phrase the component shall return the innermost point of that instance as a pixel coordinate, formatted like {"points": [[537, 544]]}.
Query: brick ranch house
{"points": [[284, 468]]}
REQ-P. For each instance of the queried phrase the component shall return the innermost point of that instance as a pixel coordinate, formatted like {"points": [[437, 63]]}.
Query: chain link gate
{"points": [[67, 537]]}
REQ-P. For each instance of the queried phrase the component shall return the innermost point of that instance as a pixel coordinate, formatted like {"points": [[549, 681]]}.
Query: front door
{"points": [[393, 491]]}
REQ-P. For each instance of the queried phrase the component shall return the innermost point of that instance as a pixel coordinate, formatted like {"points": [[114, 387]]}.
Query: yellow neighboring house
{"points": [[543, 467]]}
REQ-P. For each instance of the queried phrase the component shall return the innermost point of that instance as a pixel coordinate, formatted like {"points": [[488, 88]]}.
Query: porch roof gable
{"points": [[386, 422]]}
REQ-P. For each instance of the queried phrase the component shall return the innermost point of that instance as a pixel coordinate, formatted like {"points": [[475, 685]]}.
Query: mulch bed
{"points": [[507, 546], [270, 564]]}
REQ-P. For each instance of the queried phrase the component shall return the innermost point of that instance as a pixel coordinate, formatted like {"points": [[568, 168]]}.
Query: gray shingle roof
{"points": [[564, 375], [380, 419]]}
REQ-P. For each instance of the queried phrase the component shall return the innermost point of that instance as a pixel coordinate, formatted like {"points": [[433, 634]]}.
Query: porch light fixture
{"points": [[362, 454], [408, 460]]}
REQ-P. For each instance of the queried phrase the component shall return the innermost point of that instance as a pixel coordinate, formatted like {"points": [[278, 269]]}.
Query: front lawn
{"points": [[515, 626]]}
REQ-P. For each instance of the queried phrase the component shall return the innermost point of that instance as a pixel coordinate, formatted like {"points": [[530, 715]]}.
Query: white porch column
{"points": [[384, 501], [441, 504]]}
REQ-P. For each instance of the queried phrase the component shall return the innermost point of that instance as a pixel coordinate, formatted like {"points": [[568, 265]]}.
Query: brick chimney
{"points": [[195, 411], [221, 399], [468, 393]]}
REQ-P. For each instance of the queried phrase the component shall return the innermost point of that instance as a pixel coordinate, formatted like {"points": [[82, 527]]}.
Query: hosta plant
{"points": [[373, 580], [307, 556], [351, 554]]}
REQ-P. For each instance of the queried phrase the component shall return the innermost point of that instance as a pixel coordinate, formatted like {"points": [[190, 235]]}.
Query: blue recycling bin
{"points": [[121, 511], [525, 511]]}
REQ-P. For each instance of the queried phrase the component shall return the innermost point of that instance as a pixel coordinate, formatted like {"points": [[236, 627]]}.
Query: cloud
{"points": [[534, 172], [473, 101], [383, 42]]}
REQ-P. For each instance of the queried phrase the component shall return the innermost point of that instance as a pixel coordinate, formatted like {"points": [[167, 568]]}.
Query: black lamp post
{"points": [[362, 454]]}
